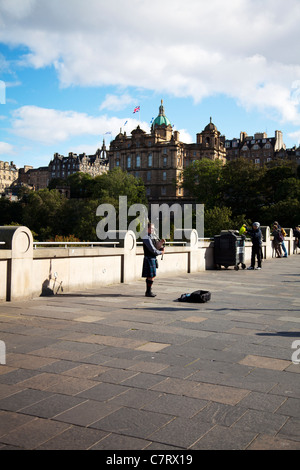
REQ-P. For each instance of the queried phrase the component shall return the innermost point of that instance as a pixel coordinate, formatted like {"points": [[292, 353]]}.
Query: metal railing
{"points": [[67, 244]]}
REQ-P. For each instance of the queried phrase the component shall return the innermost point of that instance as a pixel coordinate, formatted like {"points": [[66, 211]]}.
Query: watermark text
{"points": [[136, 218], [2, 352], [296, 354]]}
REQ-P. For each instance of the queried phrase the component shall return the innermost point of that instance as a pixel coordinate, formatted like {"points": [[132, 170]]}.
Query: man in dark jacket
{"points": [[256, 237], [150, 253]]}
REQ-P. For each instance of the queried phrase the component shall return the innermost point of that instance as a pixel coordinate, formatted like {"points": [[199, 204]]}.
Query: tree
{"points": [[241, 189], [201, 180], [78, 217], [273, 179], [42, 212], [287, 212], [81, 185], [10, 211], [109, 186], [217, 219]]}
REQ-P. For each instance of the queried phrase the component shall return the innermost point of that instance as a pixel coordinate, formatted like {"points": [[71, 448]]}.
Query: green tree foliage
{"points": [[217, 219], [10, 211], [275, 182], [50, 214], [42, 212], [286, 212], [202, 181], [232, 194], [241, 188], [109, 186]]}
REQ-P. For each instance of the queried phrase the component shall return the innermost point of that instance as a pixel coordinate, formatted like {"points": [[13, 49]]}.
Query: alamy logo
{"points": [[181, 216], [2, 92], [296, 354], [2, 353]]}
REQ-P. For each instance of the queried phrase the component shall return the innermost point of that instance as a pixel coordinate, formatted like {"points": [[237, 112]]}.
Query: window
{"points": [[257, 160], [150, 159], [148, 175], [163, 190], [165, 161], [164, 176], [117, 162], [129, 161], [138, 161]]}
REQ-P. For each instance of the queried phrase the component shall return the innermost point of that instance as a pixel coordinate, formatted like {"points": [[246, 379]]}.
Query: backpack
{"points": [[199, 296], [280, 236]]}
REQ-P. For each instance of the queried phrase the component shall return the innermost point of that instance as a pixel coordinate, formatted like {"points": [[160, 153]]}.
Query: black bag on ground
{"points": [[199, 296]]}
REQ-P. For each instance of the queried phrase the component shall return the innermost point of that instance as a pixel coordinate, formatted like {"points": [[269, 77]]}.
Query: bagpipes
{"points": [[158, 242]]}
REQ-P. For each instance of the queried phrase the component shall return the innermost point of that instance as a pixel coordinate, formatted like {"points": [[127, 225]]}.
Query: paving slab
{"points": [[109, 369]]}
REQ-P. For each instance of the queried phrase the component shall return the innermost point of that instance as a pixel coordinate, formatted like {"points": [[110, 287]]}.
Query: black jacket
{"points": [[256, 236]]}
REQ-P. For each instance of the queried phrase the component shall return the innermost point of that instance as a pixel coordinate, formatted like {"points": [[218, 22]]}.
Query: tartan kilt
{"points": [[149, 267]]}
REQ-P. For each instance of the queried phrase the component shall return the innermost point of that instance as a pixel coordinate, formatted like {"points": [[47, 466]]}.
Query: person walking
{"points": [[152, 248], [256, 237]]}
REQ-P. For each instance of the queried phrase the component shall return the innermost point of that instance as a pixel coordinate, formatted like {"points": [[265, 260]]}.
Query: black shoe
{"points": [[150, 294]]}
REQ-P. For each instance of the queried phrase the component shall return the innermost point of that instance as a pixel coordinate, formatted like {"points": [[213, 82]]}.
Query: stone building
{"points": [[260, 148], [8, 174], [35, 178], [160, 157], [62, 167]]}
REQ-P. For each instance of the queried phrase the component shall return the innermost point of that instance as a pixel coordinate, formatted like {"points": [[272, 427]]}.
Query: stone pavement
{"points": [[110, 369]]}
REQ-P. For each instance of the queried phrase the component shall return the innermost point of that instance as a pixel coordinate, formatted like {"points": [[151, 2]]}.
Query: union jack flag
{"points": [[136, 109]]}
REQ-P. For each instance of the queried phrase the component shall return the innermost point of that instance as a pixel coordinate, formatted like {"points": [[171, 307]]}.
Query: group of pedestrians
{"points": [[255, 234], [154, 247]]}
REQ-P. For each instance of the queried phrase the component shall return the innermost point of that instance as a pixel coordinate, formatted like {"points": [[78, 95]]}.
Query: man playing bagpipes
{"points": [[152, 247]]}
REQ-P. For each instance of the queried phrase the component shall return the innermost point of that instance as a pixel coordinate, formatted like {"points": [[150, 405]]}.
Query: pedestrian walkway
{"points": [[111, 369]]}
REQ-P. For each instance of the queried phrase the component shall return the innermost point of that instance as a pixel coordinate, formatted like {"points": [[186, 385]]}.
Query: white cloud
{"points": [[6, 148], [50, 126], [245, 49], [116, 103]]}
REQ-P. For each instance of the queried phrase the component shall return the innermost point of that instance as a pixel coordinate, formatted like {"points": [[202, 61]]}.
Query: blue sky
{"points": [[74, 70]]}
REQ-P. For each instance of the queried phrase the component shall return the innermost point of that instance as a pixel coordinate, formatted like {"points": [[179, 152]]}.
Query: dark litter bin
{"points": [[229, 250]]}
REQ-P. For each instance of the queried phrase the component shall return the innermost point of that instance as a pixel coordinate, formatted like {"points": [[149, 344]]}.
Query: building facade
{"points": [[8, 175], [160, 157], [62, 167], [35, 178], [260, 149]]}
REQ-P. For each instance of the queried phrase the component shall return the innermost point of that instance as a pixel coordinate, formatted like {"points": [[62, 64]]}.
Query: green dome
{"points": [[161, 118]]}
